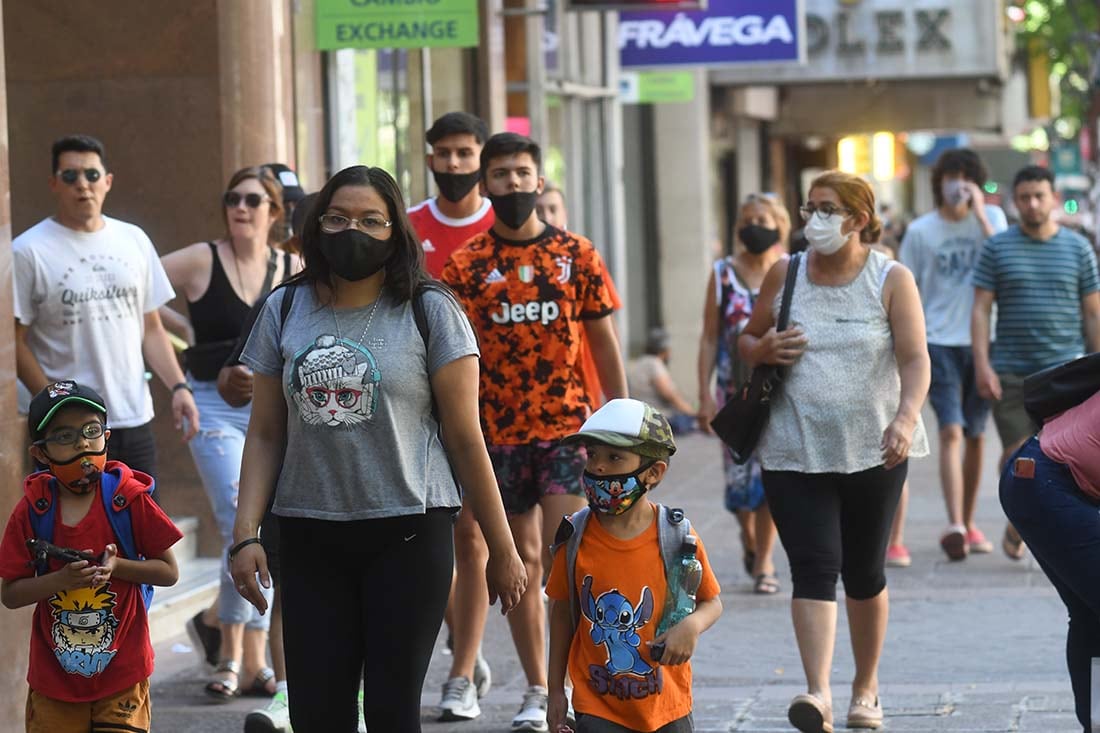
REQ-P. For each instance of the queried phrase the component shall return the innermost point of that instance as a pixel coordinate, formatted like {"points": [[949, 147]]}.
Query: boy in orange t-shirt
{"points": [[620, 588]]}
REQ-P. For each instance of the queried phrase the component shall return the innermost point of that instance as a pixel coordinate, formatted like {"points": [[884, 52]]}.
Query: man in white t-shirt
{"points": [[87, 289], [940, 248]]}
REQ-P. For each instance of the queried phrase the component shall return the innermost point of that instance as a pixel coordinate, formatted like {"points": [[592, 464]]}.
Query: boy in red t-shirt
{"points": [[620, 586], [90, 655]]}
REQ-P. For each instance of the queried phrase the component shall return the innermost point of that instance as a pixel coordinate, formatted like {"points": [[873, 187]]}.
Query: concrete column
{"points": [[750, 167], [685, 222], [16, 629]]}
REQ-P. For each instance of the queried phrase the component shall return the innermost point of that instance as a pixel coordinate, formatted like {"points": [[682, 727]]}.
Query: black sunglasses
{"points": [[71, 175], [233, 199]]}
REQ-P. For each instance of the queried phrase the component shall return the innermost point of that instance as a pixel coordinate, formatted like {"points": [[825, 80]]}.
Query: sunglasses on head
{"points": [[233, 199], [72, 175]]}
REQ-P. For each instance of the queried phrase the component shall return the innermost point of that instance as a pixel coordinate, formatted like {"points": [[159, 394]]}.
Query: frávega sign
{"points": [[727, 32]]}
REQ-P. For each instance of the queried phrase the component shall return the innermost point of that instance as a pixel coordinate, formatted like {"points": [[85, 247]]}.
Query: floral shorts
{"points": [[526, 473]]}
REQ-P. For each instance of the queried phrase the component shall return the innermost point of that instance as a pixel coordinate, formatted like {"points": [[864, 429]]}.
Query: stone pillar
{"points": [[685, 223], [15, 631]]}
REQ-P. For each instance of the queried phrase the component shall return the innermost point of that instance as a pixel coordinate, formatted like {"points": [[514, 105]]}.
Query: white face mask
{"points": [[824, 234], [955, 191]]}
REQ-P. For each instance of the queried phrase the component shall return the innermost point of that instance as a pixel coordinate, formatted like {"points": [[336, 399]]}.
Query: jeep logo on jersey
{"points": [[531, 312]]}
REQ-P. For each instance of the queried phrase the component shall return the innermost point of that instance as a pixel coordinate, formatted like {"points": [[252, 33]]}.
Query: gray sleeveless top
{"points": [[844, 391]]}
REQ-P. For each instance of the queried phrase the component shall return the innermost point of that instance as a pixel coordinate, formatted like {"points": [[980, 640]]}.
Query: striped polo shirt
{"points": [[1038, 286]]}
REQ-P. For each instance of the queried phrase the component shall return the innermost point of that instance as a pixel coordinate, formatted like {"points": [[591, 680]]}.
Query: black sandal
{"points": [[766, 584], [224, 689]]}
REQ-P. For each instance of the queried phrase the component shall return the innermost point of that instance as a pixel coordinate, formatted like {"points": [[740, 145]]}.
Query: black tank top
{"points": [[218, 318]]}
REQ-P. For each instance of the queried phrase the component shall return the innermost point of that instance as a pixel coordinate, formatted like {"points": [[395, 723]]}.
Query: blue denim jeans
{"points": [[217, 452], [1061, 526]]}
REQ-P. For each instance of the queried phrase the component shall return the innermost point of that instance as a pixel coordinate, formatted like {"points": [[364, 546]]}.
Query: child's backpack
{"points": [[117, 507], [672, 528]]}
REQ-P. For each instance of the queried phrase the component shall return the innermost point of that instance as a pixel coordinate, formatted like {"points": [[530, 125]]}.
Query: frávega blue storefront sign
{"points": [[727, 32]]}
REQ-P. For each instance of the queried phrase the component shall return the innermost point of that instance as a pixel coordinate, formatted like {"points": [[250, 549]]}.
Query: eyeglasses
{"points": [[232, 199], [72, 175], [71, 436], [335, 223], [823, 212]]}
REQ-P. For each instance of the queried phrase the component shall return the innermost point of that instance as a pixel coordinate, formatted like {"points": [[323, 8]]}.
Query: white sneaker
{"points": [[362, 718], [459, 700], [483, 676], [275, 718], [532, 713]]}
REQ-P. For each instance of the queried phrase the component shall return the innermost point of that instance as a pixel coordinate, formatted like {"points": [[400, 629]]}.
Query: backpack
{"points": [[117, 509], [672, 529]]}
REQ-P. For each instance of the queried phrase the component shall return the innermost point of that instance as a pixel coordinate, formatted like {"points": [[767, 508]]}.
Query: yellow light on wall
{"points": [[882, 156], [846, 154]]}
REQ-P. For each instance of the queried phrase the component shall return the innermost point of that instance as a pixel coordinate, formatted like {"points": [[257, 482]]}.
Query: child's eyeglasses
{"points": [[72, 175], [233, 199], [71, 436]]}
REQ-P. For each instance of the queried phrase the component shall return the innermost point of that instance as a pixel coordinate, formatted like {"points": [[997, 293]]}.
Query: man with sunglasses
{"points": [[87, 289]]}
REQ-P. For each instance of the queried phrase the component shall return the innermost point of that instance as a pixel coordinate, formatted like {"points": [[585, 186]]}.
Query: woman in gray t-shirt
{"points": [[362, 365], [835, 451]]}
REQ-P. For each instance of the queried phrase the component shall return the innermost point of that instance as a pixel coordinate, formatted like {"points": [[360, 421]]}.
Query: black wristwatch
{"points": [[182, 385]]}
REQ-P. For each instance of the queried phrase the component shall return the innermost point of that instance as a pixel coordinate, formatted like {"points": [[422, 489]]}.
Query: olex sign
{"points": [[727, 32]]}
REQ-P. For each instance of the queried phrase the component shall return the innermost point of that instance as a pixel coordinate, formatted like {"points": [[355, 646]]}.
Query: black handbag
{"points": [[742, 419], [1058, 388]]}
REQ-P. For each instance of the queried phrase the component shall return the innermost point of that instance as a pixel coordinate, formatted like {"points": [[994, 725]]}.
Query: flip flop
{"points": [[1014, 547], [224, 689], [766, 584], [263, 684]]}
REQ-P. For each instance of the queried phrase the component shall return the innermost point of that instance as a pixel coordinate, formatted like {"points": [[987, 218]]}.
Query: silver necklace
{"points": [[370, 319]]}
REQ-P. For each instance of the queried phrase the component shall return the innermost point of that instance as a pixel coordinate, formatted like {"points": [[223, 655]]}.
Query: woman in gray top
{"points": [[834, 454], [365, 397]]}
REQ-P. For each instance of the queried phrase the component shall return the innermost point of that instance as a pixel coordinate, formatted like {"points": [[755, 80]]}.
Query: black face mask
{"points": [[455, 186], [757, 239], [355, 255], [513, 209]]}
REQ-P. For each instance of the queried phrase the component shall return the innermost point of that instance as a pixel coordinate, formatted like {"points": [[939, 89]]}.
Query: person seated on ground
{"points": [[649, 380]]}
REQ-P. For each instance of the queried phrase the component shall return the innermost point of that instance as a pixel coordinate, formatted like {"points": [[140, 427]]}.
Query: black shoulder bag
{"points": [[1058, 388], [742, 419]]}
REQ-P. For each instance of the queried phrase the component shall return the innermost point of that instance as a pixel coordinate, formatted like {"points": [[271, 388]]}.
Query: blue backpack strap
{"points": [[41, 515], [672, 529], [569, 535], [118, 515]]}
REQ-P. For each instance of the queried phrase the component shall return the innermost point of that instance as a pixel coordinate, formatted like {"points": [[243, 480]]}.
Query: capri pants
{"points": [[835, 524]]}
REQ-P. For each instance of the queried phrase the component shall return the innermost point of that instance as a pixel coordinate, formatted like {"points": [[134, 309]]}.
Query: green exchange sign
{"points": [[396, 24]]}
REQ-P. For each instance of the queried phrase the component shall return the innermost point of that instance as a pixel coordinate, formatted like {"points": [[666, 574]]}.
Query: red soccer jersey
{"points": [[89, 643], [440, 235], [528, 302]]}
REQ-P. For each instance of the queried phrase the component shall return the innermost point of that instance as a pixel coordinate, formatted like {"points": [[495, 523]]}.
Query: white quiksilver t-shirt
{"points": [[83, 297]]}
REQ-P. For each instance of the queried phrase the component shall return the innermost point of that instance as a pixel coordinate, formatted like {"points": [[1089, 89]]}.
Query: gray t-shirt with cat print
{"points": [[361, 439]]}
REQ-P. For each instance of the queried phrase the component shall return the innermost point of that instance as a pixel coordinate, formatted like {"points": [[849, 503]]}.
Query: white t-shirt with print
{"points": [[83, 297]]}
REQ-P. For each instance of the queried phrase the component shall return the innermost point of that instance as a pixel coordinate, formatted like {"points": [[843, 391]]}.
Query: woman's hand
{"points": [[781, 347], [250, 561], [506, 576], [896, 440], [707, 410], [556, 709]]}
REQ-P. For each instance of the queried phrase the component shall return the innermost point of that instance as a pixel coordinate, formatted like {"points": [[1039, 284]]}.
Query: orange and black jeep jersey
{"points": [[528, 301]]}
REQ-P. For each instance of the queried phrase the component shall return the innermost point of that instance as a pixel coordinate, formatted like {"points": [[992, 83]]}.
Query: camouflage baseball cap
{"points": [[627, 423]]}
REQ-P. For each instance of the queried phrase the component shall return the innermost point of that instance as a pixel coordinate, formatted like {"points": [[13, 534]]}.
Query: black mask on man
{"points": [[757, 239], [455, 186], [513, 209], [355, 255]]}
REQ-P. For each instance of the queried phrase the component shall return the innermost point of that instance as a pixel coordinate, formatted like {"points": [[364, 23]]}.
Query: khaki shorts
{"points": [[1014, 425], [128, 710]]}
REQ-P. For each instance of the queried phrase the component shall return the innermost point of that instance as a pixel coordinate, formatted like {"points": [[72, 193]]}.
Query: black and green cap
{"points": [[630, 424], [46, 403]]}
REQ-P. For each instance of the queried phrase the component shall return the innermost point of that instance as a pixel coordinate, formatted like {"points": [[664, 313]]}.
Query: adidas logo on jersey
{"points": [[494, 277], [428, 246]]}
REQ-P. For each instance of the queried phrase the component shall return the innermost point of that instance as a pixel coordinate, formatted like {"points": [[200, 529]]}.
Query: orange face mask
{"points": [[81, 473]]}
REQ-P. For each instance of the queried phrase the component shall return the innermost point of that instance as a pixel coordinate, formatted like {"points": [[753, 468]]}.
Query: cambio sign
{"points": [[727, 32]]}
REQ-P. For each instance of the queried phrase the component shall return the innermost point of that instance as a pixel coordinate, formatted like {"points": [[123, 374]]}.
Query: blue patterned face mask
{"points": [[614, 494]]}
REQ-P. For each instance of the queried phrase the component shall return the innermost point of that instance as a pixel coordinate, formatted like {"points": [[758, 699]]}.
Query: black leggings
{"points": [[834, 524], [362, 598]]}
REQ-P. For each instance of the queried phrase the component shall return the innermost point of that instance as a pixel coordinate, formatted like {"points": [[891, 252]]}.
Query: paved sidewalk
{"points": [[972, 646]]}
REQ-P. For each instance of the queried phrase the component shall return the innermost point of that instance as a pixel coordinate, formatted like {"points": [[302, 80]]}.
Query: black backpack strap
{"points": [[284, 310]]}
